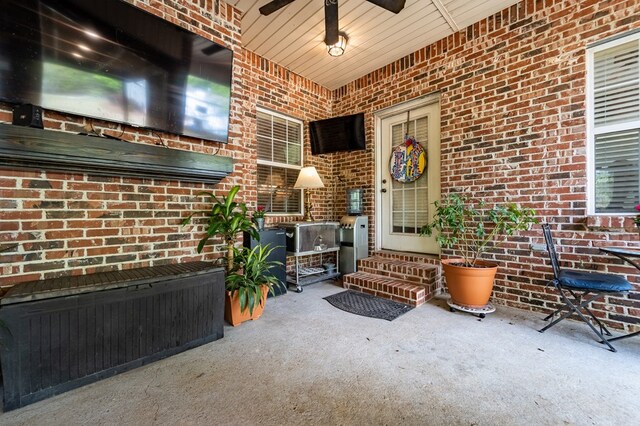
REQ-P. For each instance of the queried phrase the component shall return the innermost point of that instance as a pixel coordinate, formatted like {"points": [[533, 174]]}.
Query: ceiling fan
{"points": [[331, 13]]}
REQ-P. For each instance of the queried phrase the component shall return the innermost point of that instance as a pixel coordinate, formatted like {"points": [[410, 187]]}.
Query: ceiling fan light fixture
{"points": [[338, 48]]}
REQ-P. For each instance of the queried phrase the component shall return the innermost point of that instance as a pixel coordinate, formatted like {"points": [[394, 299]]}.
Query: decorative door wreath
{"points": [[408, 161]]}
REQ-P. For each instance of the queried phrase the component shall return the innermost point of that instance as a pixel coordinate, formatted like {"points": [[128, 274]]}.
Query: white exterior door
{"points": [[404, 207]]}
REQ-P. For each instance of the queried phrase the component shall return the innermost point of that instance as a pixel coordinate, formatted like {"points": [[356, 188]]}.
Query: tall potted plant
{"points": [[248, 283], [226, 218], [470, 229]]}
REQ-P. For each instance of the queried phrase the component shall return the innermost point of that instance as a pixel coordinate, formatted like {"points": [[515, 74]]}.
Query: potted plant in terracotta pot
{"points": [[226, 218], [248, 283], [470, 229]]}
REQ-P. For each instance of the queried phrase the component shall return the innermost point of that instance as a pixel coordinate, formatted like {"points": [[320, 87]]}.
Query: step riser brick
{"points": [[414, 277], [416, 300], [409, 257], [424, 274], [384, 287]]}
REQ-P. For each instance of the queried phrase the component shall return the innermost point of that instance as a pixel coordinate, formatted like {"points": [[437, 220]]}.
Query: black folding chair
{"points": [[578, 289]]}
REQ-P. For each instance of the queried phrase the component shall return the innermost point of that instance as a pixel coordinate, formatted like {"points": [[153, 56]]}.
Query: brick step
{"points": [[411, 271], [387, 288], [409, 257]]}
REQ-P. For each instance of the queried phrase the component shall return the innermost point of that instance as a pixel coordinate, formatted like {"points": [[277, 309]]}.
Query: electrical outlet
{"points": [[538, 247]]}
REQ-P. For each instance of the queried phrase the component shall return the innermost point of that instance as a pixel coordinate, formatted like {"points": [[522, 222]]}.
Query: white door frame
{"points": [[378, 117]]}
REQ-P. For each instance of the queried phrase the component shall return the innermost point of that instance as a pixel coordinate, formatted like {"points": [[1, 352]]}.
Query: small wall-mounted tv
{"points": [[337, 134], [109, 60]]}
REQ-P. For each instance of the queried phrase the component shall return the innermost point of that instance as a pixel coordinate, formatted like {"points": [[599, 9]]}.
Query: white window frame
{"points": [[283, 165], [591, 130]]}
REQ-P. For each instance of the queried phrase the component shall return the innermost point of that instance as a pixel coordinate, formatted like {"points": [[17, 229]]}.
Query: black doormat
{"points": [[367, 305]]}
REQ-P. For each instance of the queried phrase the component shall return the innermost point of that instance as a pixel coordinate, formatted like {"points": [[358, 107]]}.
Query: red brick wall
{"points": [[512, 90], [54, 224], [512, 100]]}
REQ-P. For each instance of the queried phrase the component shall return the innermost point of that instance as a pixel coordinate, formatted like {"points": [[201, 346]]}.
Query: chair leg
{"points": [[557, 311], [557, 320], [585, 306], [603, 328], [566, 307], [554, 313], [572, 308], [579, 298], [626, 336], [599, 334], [569, 307]]}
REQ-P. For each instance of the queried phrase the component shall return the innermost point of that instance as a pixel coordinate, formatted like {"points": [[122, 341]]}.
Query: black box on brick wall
{"points": [[28, 115]]}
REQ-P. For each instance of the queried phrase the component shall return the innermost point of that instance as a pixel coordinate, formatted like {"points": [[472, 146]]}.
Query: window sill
{"points": [[605, 222]]}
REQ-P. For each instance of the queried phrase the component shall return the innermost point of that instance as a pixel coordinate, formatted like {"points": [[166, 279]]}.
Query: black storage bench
{"points": [[62, 333]]}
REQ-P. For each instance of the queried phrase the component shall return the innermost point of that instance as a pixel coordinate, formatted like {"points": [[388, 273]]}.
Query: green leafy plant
{"points": [[471, 228], [251, 274], [226, 218], [259, 213]]}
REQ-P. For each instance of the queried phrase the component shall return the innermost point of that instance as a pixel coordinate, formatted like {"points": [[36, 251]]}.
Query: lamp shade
{"points": [[308, 178]]}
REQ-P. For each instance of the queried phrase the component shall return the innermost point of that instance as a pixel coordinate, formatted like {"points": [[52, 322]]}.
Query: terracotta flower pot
{"points": [[469, 287], [232, 313]]}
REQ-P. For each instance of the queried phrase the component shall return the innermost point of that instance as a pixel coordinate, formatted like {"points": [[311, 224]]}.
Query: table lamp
{"points": [[308, 179]]}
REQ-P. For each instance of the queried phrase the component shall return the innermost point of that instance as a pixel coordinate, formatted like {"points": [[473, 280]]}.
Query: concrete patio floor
{"points": [[306, 362]]}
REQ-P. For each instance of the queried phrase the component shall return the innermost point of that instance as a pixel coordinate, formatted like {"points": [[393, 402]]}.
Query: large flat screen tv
{"points": [[109, 60], [335, 134]]}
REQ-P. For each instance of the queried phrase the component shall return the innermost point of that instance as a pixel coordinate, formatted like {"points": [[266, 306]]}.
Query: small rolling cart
{"points": [[312, 238]]}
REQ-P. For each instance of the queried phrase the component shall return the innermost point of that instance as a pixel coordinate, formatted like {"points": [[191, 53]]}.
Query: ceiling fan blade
{"points": [[273, 6], [330, 22], [394, 6]]}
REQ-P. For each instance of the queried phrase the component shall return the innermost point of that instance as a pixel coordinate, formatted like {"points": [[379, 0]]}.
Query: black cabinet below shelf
{"points": [[276, 239]]}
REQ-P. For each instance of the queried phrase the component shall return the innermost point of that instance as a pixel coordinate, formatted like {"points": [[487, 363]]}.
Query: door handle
{"points": [[384, 181], [383, 190]]}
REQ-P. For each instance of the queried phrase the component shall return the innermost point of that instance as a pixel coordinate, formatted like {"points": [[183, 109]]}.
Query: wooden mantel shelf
{"points": [[25, 147]]}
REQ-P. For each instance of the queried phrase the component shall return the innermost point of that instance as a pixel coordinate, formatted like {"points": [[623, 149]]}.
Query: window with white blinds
{"points": [[279, 162], [614, 123]]}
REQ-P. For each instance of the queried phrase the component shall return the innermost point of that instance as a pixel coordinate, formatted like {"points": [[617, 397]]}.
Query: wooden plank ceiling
{"points": [[293, 36]]}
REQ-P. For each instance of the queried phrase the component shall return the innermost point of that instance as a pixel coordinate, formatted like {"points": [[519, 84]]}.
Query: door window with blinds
{"points": [[409, 200], [614, 125], [279, 162]]}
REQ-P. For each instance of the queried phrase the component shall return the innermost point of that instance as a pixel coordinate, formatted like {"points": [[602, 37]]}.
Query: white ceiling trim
{"points": [[445, 14]]}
